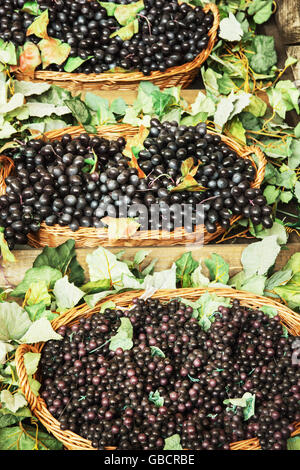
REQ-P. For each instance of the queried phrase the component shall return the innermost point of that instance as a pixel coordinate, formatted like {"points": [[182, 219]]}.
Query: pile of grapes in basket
{"points": [[53, 183], [169, 379], [167, 34]]}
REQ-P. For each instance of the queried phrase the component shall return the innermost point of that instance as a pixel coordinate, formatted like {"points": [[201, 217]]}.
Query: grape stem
{"points": [[148, 22]]}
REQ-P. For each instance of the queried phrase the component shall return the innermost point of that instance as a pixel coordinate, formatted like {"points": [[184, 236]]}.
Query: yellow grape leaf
{"points": [[136, 142], [133, 146], [188, 168], [53, 51], [126, 32], [39, 26], [37, 292], [120, 228], [188, 183], [6, 254], [34, 132], [124, 14]]}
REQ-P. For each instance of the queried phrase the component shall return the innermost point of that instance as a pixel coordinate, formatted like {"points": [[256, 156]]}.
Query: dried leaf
{"points": [[133, 146], [188, 167], [120, 228], [188, 183], [53, 51], [137, 141], [29, 59], [134, 164]]}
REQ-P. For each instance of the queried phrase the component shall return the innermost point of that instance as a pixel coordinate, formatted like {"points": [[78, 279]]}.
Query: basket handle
{"points": [[33, 401], [261, 165], [213, 32], [6, 167], [212, 7]]}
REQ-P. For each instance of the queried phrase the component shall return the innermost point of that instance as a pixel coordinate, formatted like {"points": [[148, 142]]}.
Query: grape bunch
{"points": [[174, 379], [13, 21], [53, 183], [169, 34], [226, 176], [50, 185]]}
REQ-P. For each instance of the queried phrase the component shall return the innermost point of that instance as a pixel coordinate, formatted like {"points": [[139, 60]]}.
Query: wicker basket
{"points": [[92, 237], [71, 440], [182, 75]]}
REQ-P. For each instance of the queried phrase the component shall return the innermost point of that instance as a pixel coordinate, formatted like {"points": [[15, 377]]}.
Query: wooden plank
{"points": [[294, 51], [271, 29], [14, 273], [288, 20], [131, 95]]}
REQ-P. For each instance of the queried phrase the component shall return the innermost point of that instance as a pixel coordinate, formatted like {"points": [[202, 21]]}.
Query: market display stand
{"points": [[14, 273], [279, 26]]}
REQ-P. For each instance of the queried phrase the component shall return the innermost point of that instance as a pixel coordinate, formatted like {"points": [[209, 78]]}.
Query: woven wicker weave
{"points": [[182, 75], [91, 237], [71, 440]]}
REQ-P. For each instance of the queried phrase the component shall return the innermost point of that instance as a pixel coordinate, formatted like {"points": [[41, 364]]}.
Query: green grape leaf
{"points": [[173, 443], [64, 259], [6, 254], [74, 62], [218, 268], [264, 56], [126, 32], [185, 266], [67, 295], [32, 8], [155, 351], [123, 337], [43, 273], [154, 397], [27, 438]]}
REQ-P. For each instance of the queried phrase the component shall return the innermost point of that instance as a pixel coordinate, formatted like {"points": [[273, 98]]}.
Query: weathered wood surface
{"points": [[129, 96], [288, 20], [14, 273], [284, 26], [294, 51]]}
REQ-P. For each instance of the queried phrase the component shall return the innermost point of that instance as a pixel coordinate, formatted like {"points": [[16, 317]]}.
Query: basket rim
{"points": [[135, 76], [73, 441], [98, 237], [147, 237]]}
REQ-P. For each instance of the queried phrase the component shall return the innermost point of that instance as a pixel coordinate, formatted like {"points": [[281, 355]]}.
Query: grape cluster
{"points": [[52, 183], [169, 34], [225, 175], [174, 379], [13, 21]]}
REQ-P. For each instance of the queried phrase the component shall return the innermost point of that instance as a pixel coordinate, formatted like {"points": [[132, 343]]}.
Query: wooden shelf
{"points": [[14, 273]]}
